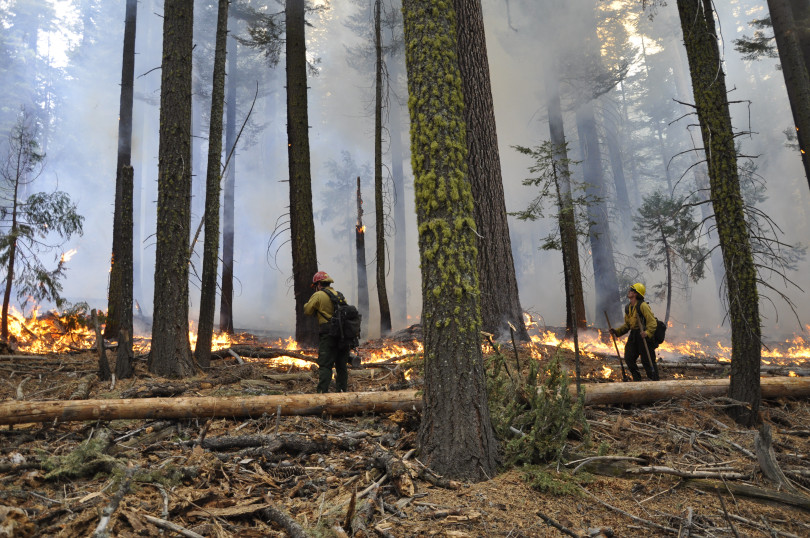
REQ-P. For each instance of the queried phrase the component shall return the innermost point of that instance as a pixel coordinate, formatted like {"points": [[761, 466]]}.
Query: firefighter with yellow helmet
{"points": [[640, 322]]}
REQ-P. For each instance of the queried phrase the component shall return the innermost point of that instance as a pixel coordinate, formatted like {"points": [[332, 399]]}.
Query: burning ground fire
{"points": [[66, 332]]}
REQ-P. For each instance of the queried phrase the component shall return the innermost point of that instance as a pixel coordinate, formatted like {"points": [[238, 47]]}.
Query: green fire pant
{"points": [[329, 356]]}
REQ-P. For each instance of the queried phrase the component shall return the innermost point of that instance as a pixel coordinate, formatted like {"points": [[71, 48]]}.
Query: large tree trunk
{"points": [[709, 86], [400, 307], [574, 297], [795, 71], [226, 297], [500, 300], [120, 234], [617, 167], [606, 283], [801, 17], [208, 283], [379, 210], [171, 352], [354, 403], [456, 436], [302, 226], [12, 248]]}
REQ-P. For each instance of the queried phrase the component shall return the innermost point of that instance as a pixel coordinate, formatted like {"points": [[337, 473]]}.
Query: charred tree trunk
{"points": [[795, 71], [575, 301], [302, 226], [208, 284], [379, 209], [711, 102], [123, 361], [360, 247], [455, 436], [500, 300], [171, 351], [226, 299], [121, 234]]}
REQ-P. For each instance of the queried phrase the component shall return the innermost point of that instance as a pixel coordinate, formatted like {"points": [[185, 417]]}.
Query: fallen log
{"points": [[351, 403]]}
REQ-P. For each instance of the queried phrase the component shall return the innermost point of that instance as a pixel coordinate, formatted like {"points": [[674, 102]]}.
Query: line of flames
{"points": [[53, 333]]}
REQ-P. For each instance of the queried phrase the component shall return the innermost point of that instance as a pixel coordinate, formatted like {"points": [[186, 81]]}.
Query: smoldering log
{"points": [[350, 403]]}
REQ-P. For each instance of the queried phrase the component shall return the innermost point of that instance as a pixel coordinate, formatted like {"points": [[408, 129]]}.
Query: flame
{"points": [[66, 256]]}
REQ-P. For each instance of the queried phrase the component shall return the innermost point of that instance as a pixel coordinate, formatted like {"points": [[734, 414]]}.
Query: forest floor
{"points": [[251, 477]]}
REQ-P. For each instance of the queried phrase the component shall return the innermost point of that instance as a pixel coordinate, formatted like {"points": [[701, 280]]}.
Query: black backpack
{"points": [[660, 327], [345, 321]]}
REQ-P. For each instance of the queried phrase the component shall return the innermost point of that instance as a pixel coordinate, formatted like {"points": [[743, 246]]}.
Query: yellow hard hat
{"points": [[639, 288]]}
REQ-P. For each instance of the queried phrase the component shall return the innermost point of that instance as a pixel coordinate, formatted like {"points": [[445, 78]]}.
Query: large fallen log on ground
{"points": [[350, 403]]}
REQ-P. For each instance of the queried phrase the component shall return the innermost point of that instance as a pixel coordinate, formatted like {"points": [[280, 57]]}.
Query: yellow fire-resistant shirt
{"points": [[631, 321], [320, 305]]}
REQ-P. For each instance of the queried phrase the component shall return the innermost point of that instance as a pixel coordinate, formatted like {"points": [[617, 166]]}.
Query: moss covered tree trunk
{"points": [[794, 69], [171, 351], [115, 296], [208, 284], [379, 209], [455, 436], [302, 225], [575, 301], [500, 301], [709, 86]]}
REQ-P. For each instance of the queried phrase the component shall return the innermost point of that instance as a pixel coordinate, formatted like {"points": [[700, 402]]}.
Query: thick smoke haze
{"points": [[82, 154]]}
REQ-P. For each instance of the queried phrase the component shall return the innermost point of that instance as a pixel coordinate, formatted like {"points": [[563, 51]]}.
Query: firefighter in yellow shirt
{"points": [[640, 321]]}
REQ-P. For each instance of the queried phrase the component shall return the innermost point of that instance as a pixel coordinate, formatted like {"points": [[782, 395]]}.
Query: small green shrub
{"points": [[541, 410], [555, 483]]}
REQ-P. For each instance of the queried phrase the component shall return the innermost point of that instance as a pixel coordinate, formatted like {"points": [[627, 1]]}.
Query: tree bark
{"points": [[379, 209], [208, 283], [500, 300], [456, 435], [709, 87], [120, 233], [360, 257], [226, 297], [795, 71], [123, 361], [575, 301], [353, 403], [302, 226], [171, 352]]}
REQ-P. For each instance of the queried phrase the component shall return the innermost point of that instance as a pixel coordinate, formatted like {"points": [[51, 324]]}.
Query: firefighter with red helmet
{"points": [[640, 321], [329, 353]]}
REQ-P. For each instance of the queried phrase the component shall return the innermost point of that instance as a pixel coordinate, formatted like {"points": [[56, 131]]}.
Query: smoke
{"points": [[83, 158]]}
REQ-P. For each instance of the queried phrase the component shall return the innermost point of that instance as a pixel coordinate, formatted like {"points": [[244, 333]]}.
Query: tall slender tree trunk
{"points": [[606, 283], [124, 354], [226, 299], [500, 300], [379, 209], [711, 102], [400, 307], [801, 17], [115, 295], [574, 297], [171, 351], [455, 437], [795, 71], [12, 249], [617, 167], [302, 225], [360, 257], [208, 284]]}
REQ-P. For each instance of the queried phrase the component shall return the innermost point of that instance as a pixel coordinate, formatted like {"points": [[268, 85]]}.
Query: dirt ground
{"points": [[247, 477]]}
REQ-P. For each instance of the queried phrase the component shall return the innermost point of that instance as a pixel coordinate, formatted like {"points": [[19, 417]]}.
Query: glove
{"points": [[613, 332]]}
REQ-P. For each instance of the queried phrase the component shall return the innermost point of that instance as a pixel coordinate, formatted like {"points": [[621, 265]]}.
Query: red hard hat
{"points": [[321, 276]]}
